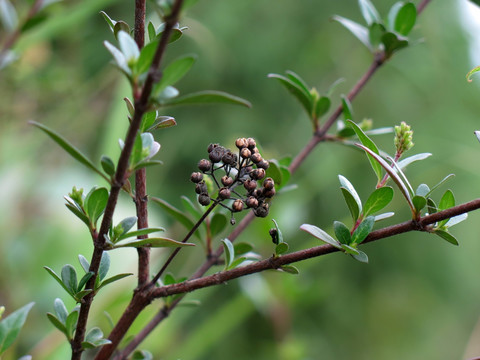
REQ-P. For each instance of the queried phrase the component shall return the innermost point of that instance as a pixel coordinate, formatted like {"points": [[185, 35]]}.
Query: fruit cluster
{"points": [[247, 170]]}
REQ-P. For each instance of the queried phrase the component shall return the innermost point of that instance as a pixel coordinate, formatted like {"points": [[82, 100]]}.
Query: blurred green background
{"points": [[418, 298]]}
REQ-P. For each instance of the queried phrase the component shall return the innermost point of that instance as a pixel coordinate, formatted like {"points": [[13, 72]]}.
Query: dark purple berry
{"points": [[251, 143], [245, 153], [237, 205], [224, 193], [263, 164], [204, 165], [196, 177], [257, 174], [261, 211], [251, 202], [204, 199], [250, 185], [256, 158], [201, 188], [269, 184], [227, 180]]}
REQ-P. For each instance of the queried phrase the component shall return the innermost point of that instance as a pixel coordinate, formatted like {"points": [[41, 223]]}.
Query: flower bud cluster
{"points": [[246, 171], [403, 138]]}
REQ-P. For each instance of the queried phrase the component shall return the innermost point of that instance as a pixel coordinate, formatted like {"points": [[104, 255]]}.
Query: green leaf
{"points": [[393, 174], [342, 232], [8, 16], [446, 236], [142, 355], [84, 280], [384, 216], [362, 257], [174, 72], [95, 203], [107, 165], [69, 148], [149, 163], [208, 97], [447, 201], [81, 294], [111, 23], [69, 278], [84, 262], [140, 232], [405, 19], [443, 181], [11, 325], [354, 206], [94, 339], [57, 278], [431, 206], [321, 107], [237, 262], [321, 235], [367, 142], [146, 57], [162, 122], [279, 232], [289, 269], [380, 198], [350, 250], [362, 231], [190, 207], [281, 248], [152, 34], [274, 171], [456, 220], [71, 323], [242, 248], [299, 81], [57, 323], [78, 213], [422, 190], [119, 58], [347, 108], [392, 43], [375, 33], [104, 266], [175, 213], [360, 32], [370, 14], [123, 227], [392, 15], [229, 252], [218, 223], [407, 161], [419, 202], [300, 92], [152, 242], [128, 46], [113, 279], [121, 26]]}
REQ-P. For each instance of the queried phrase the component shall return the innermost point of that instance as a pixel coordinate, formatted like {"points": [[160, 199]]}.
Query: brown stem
{"points": [[141, 106], [278, 262]]}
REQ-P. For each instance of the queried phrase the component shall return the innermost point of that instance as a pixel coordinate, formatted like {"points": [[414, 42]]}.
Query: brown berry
{"points": [[204, 199], [258, 193], [261, 211], [196, 177], [227, 180], [237, 205], [201, 188], [268, 183], [269, 193], [256, 158], [264, 164], [204, 165], [251, 202], [241, 143], [258, 174], [250, 185], [216, 154], [229, 158], [211, 147], [245, 153], [274, 234], [224, 193], [251, 143]]}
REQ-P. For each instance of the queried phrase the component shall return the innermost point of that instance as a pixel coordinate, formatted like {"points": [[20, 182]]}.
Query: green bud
{"points": [[77, 196], [403, 138], [366, 124], [2, 310]]}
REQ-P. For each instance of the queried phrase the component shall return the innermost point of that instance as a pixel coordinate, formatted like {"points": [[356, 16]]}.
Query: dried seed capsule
{"points": [[201, 188], [204, 199], [237, 205], [211, 147], [250, 185], [255, 150], [274, 234], [251, 202], [227, 180], [224, 193], [258, 193], [229, 158], [241, 143], [216, 154], [264, 164], [248, 170], [262, 210], [256, 158], [251, 143], [245, 153], [269, 193], [258, 174], [204, 165], [196, 177], [268, 183]]}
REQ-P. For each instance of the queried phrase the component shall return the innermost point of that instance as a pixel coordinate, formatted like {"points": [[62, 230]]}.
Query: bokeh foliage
{"points": [[416, 292]]}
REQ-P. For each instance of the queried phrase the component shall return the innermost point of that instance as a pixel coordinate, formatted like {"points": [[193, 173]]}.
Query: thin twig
{"points": [[278, 262], [141, 105]]}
